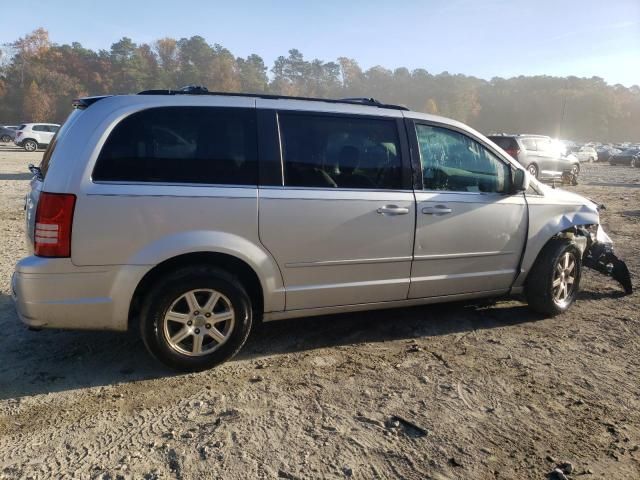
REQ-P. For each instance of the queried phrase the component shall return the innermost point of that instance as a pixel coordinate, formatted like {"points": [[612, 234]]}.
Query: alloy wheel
{"points": [[564, 277], [199, 322]]}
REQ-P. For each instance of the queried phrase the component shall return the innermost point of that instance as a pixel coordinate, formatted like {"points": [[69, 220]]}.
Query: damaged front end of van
{"points": [[599, 255]]}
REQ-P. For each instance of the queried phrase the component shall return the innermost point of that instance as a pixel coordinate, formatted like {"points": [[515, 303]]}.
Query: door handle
{"points": [[392, 210], [437, 210]]}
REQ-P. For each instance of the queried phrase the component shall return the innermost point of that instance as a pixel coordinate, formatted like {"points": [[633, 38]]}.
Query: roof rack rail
{"points": [[201, 90]]}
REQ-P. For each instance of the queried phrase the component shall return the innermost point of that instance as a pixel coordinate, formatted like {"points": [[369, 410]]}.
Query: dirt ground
{"points": [[442, 392]]}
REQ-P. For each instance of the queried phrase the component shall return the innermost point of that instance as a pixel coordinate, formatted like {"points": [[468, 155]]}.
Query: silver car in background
{"points": [[543, 157], [191, 216]]}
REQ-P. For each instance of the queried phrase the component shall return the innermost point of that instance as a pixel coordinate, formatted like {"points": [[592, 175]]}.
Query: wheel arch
{"points": [[232, 264], [540, 234], [535, 164]]}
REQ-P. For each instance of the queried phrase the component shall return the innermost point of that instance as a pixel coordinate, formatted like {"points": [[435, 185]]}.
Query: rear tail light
{"points": [[54, 217], [513, 152]]}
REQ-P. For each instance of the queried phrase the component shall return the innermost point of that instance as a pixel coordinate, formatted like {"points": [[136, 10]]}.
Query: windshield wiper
{"points": [[36, 171]]}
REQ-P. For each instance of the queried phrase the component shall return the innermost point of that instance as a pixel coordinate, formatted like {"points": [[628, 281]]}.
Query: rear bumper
{"points": [[52, 293]]}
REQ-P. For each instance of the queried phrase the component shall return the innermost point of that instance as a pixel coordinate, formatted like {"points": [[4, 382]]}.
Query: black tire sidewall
{"points": [[535, 167], [28, 142], [162, 296]]}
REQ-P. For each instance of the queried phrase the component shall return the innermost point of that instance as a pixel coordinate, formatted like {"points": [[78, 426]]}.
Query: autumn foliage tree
{"points": [[36, 104], [39, 79]]}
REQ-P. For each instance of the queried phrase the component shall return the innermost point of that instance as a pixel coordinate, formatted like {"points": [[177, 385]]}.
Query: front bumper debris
{"points": [[599, 256]]}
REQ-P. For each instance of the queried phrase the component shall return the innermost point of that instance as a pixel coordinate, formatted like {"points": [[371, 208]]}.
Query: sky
{"points": [[484, 38]]}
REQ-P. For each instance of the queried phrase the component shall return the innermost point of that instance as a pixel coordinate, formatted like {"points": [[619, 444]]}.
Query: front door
{"points": [[470, 231], [341, 225]]}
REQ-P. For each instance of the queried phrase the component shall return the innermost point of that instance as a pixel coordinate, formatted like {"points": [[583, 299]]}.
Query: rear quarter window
{"points": [[182, 145]]}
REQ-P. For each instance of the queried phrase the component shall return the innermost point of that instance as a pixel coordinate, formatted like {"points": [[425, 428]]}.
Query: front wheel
{"points": [[554, 280], [5, 139], [196, 318], [633, 163], [30, 146], [533, 170], [575, 169]]}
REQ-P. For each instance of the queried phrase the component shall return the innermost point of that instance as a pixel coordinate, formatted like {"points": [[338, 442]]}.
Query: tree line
{"points": [[40, 79]]}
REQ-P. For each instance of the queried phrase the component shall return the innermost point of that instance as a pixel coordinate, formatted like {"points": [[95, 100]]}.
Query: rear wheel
{"points": [[533, 170], [591, 160], [575, 169], [633, 163], [196, 318], [553, 283], [30, 146]]}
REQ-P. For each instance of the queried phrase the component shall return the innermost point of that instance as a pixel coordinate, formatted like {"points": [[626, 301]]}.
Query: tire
{"points": [[633, 163], [550, 267], [5, 139], [30, 145], [591, 160], [171, 329], [533, 170]]}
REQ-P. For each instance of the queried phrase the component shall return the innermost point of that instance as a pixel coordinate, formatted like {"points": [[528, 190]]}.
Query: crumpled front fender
{"points": [[546, 220], [600, 256]]}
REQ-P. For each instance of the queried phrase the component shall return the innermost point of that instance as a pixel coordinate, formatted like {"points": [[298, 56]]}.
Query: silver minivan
{"points": [[191, 216]]}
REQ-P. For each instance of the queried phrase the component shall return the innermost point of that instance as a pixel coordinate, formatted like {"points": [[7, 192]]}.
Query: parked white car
{"points": [[587, 154], [32, 136]]}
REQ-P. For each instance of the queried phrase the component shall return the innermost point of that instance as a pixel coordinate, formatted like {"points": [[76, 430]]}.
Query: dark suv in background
{"points": [[539, 154], [7, 133]]}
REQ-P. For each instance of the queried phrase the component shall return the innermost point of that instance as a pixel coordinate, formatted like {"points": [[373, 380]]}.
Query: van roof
{"points": [[199, 90]]}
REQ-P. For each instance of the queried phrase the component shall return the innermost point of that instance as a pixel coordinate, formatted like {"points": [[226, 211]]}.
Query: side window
{"points": [[543, 145], [182, 145], [529, 144], [39, 128], [454, 162], [340, 152]]}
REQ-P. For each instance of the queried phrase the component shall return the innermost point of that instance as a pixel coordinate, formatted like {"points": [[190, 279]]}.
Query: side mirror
{"points": [[519, 180]]}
